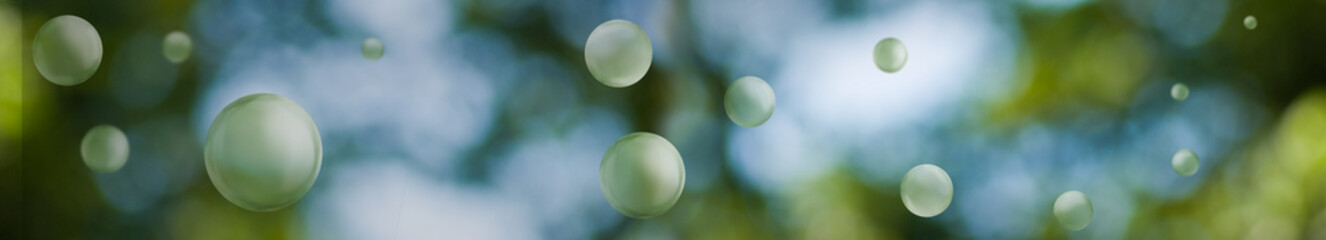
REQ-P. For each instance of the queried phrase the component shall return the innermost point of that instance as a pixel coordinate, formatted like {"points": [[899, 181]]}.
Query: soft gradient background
{"points": [[482, 122]]}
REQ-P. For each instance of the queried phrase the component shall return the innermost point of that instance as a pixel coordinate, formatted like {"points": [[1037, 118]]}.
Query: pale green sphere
{"points": [[1073, 210], [1179, 91], [618, 53], [373, 49], [1185, 162], [177, 46], [105, 148], [890, 55], [749, 101], [926, 190], [1250, 22], [642, 175], [263, 152], [66, 50]]}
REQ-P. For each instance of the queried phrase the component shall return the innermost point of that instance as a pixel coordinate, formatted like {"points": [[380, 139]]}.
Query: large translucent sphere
{"points": [[927, 190], [1179, 91], [642, 175], [263, 152], [1185, 162], [177, 46], [890, 55], [66, 50], [105, 149], [373, 49], [1073, 210], [749, 101], [618, 53], [1250, 22]]}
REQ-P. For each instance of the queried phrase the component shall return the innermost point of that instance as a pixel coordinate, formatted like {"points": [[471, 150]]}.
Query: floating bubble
{"points": [[1185, 162], [890, 55], [642, 175], [1179, 91], [177, 46], [263, 152], [105, 148], [618, 53], [66, 50], [1250, 22], [373, 49], [749, 101], [926, 190], [1073, 210]]}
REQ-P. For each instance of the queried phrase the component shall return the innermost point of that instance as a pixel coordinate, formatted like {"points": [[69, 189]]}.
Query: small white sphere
{"points": [[642, 175], [177, 47], [105, 149], [618, 53], [749, 101], [926, 190], [373, 49], [1073, 210], [263, 152], [890, 55], [1185, 162], [1179, 91], [66, 50]]}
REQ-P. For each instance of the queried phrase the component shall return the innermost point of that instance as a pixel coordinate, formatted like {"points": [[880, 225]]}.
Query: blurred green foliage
{"points": [[1271, 187]]}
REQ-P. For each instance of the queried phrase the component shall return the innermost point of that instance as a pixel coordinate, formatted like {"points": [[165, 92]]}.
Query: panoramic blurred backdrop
{"points": [[482, 121]]}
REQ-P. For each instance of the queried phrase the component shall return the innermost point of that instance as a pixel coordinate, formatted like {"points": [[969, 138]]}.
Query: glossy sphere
{"points": [[1250, 22], [1073, 210], [749, 101], [642, 175], [618, 53], [177, 46], [890, 55], [263, 152], [373, 49], [1185, 162], [66, 50], [105, 149], [927, 190], [1179, 92]]}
